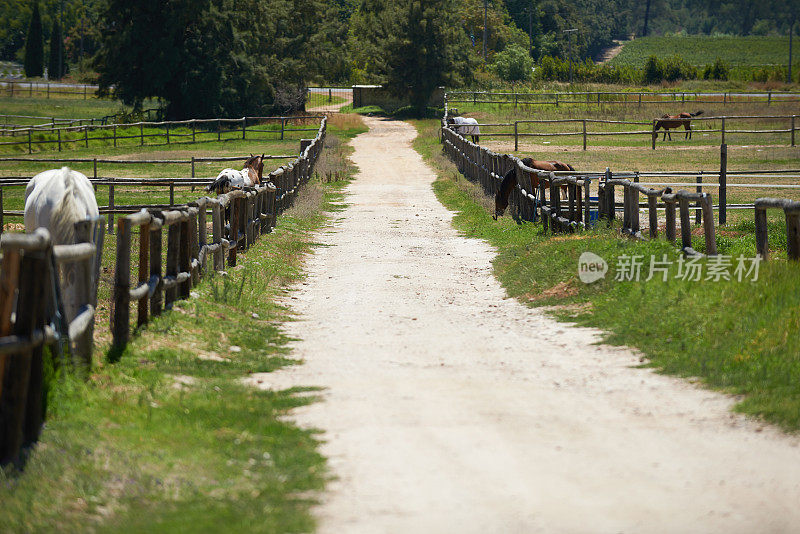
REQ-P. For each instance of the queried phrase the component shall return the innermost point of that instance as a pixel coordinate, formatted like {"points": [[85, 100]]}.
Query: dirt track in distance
{"points": [[450, 408]]}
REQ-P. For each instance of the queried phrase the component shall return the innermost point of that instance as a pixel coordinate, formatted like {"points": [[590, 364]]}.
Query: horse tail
{"points": [[66, 212], [501, 198], [219, 184], [696, 113]]}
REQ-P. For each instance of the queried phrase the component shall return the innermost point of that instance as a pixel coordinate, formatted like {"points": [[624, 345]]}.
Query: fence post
{"points": [[669, 215], [761, 232], [655, 135], [1, 218], [111, 207], [723, 130], [194, 131], [792, 234], [652, 205], [516, 136], [686, 229], [283, 126], [155, 269], [219, 130], [587, 216], [30, 143], [172, 193], [244, 127], [59, 139], [122, 285], [769, 98], [167, 132], [584, 133], [793, 120], [185, 258], [708, 226], [192, 168], [115, 135], [723, 184], [86, 136], [216, 236], [173, 262], [144, 271]]}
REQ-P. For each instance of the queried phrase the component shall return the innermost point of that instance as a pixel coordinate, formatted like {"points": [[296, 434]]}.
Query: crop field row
{"points": [[704, 50]]}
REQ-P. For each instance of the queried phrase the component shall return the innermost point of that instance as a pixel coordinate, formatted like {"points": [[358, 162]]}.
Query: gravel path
{"points": [[449, 408]]}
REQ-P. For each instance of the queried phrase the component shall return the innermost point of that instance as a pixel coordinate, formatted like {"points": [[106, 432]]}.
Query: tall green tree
{"points": [[57, 65], [426, 49], [34, 45]]}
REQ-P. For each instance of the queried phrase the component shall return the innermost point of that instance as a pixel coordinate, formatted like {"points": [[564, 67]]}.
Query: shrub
{"points": [[513, 64], [718, 71]]}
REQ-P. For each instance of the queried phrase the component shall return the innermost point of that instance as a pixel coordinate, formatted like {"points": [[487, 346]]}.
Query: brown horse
{"points": [[676, 121], [254, 165], [510, 180]]}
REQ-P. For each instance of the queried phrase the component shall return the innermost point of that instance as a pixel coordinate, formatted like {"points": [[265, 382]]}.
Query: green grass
{"points": [[131, 450], [739, 337], [61, 108], [704, 50]]}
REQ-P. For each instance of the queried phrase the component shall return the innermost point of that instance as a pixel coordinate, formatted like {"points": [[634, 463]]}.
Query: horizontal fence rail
{"points": [[515, 129], [618, 97], [192, 129]]}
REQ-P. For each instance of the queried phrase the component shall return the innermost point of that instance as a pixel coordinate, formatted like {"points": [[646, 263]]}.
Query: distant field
{"points": [[701, 50]]}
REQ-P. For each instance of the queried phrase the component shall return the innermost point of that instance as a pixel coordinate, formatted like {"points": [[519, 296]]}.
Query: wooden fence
{"points": [[16, 88], [610, 97], [544, 201], [10, 128], [252, 212], [515, 131], [31, 313], [198, 127]]}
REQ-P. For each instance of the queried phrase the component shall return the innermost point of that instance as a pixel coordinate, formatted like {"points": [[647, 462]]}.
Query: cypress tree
{"points": [[34, 47], [55, 69], [428, 48]]}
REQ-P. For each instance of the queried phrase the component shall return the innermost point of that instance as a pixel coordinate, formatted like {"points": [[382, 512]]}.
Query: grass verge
{"points": [[739, 337], [169, 439]]}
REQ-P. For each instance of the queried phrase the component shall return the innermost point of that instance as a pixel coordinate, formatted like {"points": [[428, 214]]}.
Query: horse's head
{"points": [[451, 120]]}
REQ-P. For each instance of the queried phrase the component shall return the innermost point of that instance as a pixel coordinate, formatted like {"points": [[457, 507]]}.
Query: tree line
{"points": [[235, 57]]}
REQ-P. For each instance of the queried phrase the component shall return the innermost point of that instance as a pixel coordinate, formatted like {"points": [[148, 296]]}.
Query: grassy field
{"points": [[739, 337], [62, 108], [169, 439], [704, 50]]}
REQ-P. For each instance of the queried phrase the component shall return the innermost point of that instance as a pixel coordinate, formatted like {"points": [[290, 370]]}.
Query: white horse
{"points": [[466, 126], [56, 200]]}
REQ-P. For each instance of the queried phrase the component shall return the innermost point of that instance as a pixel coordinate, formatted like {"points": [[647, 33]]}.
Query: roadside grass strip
{"points": [[170, 439], [741, 337]]}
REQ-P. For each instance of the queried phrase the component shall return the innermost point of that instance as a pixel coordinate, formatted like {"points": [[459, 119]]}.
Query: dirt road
{"points": [[449, 408]]}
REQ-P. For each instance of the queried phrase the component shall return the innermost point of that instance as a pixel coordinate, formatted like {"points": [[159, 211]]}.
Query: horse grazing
{"points": [[56, 200], [676, 121], [466, 126], [510, 181], [250, 176]]}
